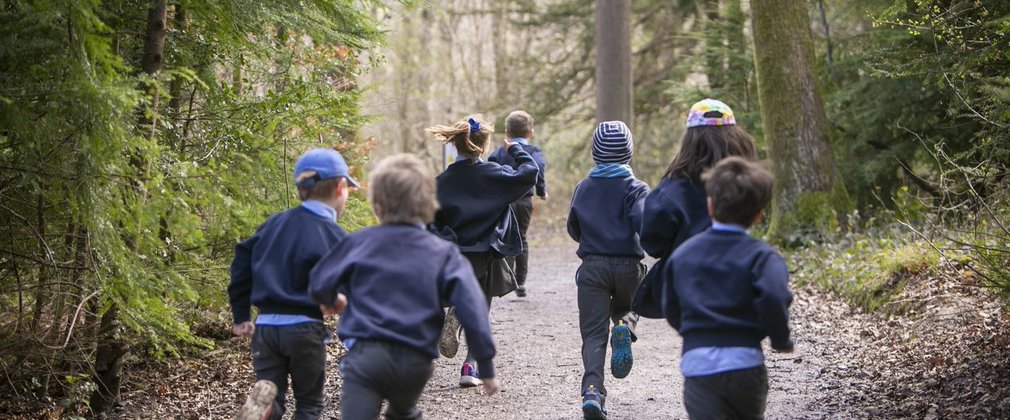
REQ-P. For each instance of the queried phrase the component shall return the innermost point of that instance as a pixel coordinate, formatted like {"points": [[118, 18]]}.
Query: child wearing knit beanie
{"points": [[604, 218]]}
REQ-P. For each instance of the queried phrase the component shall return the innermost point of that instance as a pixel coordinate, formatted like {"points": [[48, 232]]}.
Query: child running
{"points": [[519, 129], [474, 196], [675, 209], [271, 271], [392, 280], [605, 216], [726, 292]]}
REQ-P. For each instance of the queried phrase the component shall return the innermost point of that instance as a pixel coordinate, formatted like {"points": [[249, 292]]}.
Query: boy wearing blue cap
{"points": [[605, 216], [271, 271]]}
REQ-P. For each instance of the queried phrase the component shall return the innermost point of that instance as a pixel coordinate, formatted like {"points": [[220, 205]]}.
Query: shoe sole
{"points": [[259, 404], [592, 410], [621, 359], [468, 381], [448, 342]]}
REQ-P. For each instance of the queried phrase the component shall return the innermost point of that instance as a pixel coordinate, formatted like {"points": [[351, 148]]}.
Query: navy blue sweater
{"points": [[674, 211], [605, 216], [474, 197], [396, 278], [726, 289], [502, 157], [271, 269]]}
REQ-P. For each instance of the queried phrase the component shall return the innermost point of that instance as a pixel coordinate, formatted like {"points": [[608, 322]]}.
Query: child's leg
{"points": [[270, 363], [482, 266], [307, 356], [523, 209], [594, 319], [739, 394], [414, 371], [627, 279], [365, 366]]}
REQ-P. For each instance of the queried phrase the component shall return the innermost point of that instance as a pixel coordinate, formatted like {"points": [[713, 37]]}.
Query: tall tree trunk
{"points": [[614, 100], [715, 51], [808, 195], [111, 347]]}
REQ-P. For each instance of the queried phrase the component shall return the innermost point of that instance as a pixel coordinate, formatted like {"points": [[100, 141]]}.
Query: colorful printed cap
{"points": [[710, 112]]}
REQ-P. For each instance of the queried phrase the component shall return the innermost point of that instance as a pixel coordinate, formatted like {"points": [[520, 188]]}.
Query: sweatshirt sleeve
{"points": [[635, 204], [517, 182], [772, 298], [660, 223], [459, 287], [331, 274], [240, 287], [574, 226], [541, 185], [671, 301]]}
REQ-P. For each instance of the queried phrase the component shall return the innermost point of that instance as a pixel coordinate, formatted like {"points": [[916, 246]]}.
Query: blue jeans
{"points": [[298, 351]]}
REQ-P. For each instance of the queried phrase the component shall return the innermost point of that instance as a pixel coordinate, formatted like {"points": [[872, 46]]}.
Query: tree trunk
{"points": [[808, 197], [111, 348], [715, 51], [614, 100]]}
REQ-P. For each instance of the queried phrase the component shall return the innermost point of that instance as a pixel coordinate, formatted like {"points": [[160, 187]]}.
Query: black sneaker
{"points": [[260, 403], [521, 291], [594, 406]]}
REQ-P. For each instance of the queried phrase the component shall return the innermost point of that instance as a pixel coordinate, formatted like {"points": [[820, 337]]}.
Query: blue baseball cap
{"points": [[327, 164]]}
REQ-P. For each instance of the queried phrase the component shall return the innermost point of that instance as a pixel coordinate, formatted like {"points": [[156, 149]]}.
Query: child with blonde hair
{"points": [[474, 196]]}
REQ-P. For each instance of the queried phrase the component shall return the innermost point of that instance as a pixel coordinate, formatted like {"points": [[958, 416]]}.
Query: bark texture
{"points": [[614, 99], [808, 195]]}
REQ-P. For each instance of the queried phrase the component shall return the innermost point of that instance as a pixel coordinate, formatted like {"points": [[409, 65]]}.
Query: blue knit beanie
{"points": [[612, 143]]}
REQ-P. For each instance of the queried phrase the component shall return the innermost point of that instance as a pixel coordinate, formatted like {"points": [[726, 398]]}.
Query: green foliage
{"points": [[868, 271], [97, 212]]}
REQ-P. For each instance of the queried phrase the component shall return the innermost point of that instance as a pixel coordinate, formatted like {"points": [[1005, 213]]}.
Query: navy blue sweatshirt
{"points": [[474, 197], [605, 216], [502, 157], [726, 289], [271, 269], [674, 211], [396, 278]]}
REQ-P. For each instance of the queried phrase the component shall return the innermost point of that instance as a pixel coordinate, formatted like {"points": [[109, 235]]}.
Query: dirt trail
{"points": [[540, 368]]}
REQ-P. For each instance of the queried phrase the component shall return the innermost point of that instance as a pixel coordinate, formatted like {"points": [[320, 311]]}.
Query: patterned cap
{"points": [[612, 143], [717, 112]]}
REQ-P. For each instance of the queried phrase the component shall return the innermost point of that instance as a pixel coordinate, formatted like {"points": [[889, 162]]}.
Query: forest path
{"points": [[540, 369]]}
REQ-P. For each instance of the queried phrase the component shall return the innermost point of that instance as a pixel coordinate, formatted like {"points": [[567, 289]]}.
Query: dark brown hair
{"points": [[702, 147], [519, 123], [402, 190], [469, 144], [739, 190]]}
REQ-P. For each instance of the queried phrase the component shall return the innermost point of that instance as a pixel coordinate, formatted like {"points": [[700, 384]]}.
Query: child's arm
{"points": [[541, 186], [516, 182], [671, 301], [328, 277], [240, 287], [459, 286], [574, 226], [634, 202], [660, 224], [772, 299]]}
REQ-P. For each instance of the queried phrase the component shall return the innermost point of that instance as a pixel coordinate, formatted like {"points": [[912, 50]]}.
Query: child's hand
{"points": [[337, 307], [508, 143], [490, 386], [244, 329]]}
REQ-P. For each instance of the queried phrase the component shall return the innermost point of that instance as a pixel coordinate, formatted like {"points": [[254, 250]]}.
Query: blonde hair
{"points": [[321, 190], [402, 190], [468, 143], [519, 123]]}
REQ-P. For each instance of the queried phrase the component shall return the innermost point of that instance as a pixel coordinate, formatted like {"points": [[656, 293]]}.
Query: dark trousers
{"points": [[606, 286], [738, 394], [374, 371], [523, 209], [298, 351]]}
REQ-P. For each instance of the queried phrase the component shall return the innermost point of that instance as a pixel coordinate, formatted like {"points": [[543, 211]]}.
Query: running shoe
{"points": [[448, 342], [468, 376], [621, 359], [594, 406], [259, 405]]}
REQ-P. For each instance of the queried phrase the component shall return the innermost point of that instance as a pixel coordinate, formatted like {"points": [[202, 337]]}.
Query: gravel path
{"points": [[540, 368]]}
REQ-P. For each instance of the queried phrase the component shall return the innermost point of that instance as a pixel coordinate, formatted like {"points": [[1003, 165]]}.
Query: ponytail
{"points": [[469, 136]]}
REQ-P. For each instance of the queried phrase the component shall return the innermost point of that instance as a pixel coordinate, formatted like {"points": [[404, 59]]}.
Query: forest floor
{"points": [[947, 356]]}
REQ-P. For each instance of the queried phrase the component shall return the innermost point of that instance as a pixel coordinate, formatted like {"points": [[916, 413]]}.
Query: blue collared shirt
{"points": [[320, 209], [704, 361], [520, 140]]}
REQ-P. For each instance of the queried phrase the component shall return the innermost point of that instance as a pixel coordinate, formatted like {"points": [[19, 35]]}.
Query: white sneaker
{"points": [[448, 342], [259, 405]]}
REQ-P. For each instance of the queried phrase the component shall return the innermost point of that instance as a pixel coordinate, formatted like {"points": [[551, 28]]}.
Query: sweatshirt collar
{"points": [[320, 209], [727, 227], [520, 140]]}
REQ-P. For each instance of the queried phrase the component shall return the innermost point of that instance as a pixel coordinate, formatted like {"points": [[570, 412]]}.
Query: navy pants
{"points": [[523, 209], [737, 394], [606, 286], [298, 351], [374, 371]]}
